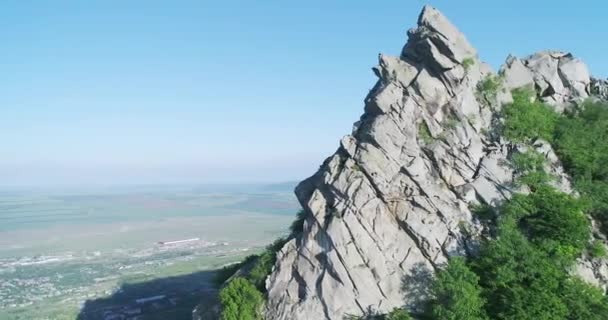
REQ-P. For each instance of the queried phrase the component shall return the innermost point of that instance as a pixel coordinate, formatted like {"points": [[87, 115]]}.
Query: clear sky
{"points": [[115, 91]]}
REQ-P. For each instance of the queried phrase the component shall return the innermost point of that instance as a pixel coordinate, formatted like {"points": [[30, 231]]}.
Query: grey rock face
{"points": [[594, 271], [516, 73], [557, 76], [392, 203], [599, 88]]}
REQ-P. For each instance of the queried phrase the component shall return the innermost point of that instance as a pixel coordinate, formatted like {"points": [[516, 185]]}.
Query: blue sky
{"points": [[103, 92]]}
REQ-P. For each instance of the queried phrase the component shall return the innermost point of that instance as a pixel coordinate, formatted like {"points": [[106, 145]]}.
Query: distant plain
{"points": [[60, 248]]}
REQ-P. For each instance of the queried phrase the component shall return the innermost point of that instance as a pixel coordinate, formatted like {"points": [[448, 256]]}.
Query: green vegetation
{"points": [[424, 133], [584, 301], [297, 226], [489, 87], [552, 221], [398, 314], [519, 281], [228, 271], [527, 119], [467, 63], [597, 249], [395, 314], [241, 301], [368, 315], [263, 265], [524, 271], [483, 212], [581, 142], [249, 285], [457, 294], [530, 166], [451, 122]]}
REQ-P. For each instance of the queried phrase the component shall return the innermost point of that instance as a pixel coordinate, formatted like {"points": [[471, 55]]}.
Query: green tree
{"points": [[581, 142], [584, 301], [398, 314], [520, 281], [263, 265], [553, 220], [241, 301], [242, 298], [526, 118], [456, 292], [530, 165], [523, 270]]}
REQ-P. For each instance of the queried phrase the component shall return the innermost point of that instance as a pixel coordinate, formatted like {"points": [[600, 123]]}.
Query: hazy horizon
{"points": [[103, 188], [136, 176]]}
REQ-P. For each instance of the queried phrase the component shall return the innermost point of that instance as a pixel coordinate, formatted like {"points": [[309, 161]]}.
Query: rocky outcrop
{"points": [[392, 204], [558, 77], [599, 88]]}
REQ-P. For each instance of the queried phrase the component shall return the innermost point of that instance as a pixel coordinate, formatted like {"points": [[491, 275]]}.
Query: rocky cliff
{"points": [[393, 202]]}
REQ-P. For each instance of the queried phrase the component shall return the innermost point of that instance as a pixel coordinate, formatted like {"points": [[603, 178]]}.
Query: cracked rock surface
{"points": [[558, 77], [392, 203], [389, 206]]}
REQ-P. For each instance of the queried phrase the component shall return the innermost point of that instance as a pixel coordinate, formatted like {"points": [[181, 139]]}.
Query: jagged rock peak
{"points": [[389, 206], [392, 203], [437, 41], [431, 19]]}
